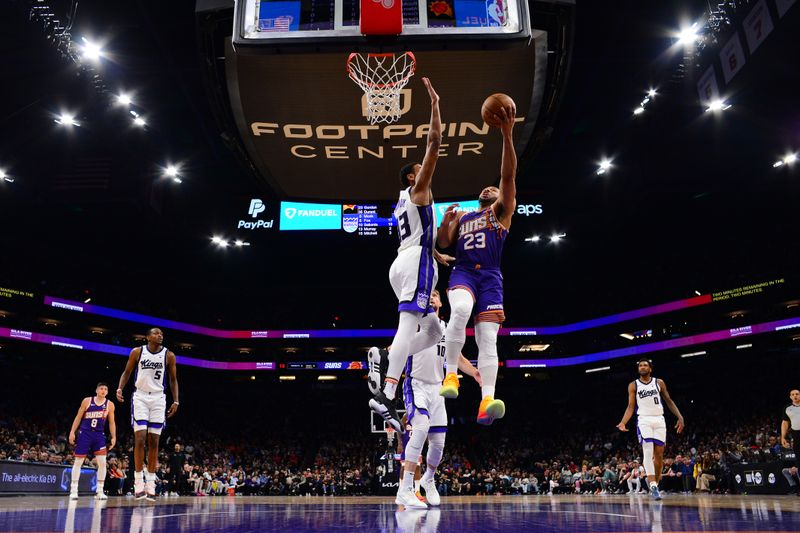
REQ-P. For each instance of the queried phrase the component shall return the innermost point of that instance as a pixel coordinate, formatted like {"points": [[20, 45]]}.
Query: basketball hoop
{"points": [[382, 78]]}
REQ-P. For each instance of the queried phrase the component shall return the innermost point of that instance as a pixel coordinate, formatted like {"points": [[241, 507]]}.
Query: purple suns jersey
{"points": [[480, 240], [94, 418]]}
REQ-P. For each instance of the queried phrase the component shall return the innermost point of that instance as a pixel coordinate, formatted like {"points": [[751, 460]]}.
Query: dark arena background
{"points": [[209, 169]]}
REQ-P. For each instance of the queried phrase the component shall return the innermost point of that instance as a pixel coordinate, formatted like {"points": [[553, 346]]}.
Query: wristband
{"points": [[176, 403]]}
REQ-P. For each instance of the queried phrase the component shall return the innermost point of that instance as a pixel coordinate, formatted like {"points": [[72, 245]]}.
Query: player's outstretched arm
{"points": [[466, 367], [133, 359], [77, 421], [172, 372], [507, 201], [671, 405], [446, 235], [631, 407], [421, 191], [112, 425]]}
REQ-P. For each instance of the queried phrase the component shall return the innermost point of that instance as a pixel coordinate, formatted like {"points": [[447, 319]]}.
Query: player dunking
{"points": [[153, 363], [414, 272], [426, 413], [647, 395], [476, 280], [91, 419]]}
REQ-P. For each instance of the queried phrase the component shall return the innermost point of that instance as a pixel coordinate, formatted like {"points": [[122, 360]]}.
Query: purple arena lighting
{"points": [[364, 333]]}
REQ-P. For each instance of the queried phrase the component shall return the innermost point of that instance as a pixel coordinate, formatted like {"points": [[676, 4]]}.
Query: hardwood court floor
{"points": [[508, 514]]}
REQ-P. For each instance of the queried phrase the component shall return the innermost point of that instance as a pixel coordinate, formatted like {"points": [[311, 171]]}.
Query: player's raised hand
{"points": [[172, 409], [621, 427], [679, 425], [507, 119], [443, 259], [431, 92], [120, 397], [449, 214]]}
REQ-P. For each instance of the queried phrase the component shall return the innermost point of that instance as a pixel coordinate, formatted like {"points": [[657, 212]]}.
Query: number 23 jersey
{"points": [[480, 240]]}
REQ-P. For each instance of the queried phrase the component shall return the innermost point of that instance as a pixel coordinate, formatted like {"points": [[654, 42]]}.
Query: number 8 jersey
{"points": [[151, 370], [480, 240]]}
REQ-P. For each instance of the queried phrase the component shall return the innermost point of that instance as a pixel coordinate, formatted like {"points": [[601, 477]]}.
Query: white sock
{"points": [[653, 484], [460, 309], [486, 338], [138, 477], [101, 473], [430, 472], [76, 474], [150, 476], [408, 480], [398, 353]]}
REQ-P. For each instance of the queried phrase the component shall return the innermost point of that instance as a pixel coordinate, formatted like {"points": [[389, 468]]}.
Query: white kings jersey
{"points": [[151, 370], [648, 398], [428, 365], [416, 224]]}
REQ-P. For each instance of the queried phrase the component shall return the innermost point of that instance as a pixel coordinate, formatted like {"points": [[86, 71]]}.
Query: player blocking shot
{"points": [[93, 415], [476, 282], [152, 364], [414, 273], [647, 396]]}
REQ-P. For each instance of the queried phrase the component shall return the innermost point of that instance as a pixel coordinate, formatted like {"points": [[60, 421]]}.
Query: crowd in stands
{"points": [[506, 460]]}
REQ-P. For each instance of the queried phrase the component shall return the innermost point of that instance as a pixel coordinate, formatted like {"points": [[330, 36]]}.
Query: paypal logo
{"points": [[256, 207]]}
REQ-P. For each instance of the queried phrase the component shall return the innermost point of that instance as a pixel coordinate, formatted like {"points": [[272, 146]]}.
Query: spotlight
{"points": [[139, 121], [216, 239], [605, 164], [124, 99], [688, 36], [556, 237], [652, 93], [718, 105], [535, 238], [638, 111], [698, 293], [241, 243], [5, 177], [789, 159], [66, 119], [172, 172], [91, 51]]}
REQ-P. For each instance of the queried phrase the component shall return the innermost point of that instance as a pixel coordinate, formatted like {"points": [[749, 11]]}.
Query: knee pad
{"points": [[486, 338], [460, 307]]}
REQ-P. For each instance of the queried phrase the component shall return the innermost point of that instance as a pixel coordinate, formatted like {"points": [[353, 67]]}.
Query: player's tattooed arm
{"points": [[631, 407], [507, 201], [447, 233], [133, 360], [172, 372], [672, 407], [77, 421]]}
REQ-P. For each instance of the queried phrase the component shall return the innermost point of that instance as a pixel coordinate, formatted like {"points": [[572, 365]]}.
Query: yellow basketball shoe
{"points": [[449, 386], [490, 410]]}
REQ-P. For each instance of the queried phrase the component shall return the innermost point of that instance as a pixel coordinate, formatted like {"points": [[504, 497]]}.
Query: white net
{"points": [[382, 78]]}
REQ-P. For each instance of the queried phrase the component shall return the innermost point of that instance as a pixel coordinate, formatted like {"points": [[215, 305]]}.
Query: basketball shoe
{"points": [[384, 407], [150, 489], [431, 494], [490, 410], [408, 499], [449, 386], [138, 490], [378, 364]]}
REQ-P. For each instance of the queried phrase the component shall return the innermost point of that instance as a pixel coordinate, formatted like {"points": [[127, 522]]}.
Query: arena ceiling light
{"points": [[638, 111], [219, 241], [67, 119], [172, 172], [743, 346], [534, 238], [124, 99], [598, 369], [603, 166], [287, 378], [688, 36], [717, 105], [693, 354], [239, 243], [789, 159], [90, 50], [5, 177], [698, 292], [534, 347], [652, 93], [555, 238], [628, 336], [326, 377]]}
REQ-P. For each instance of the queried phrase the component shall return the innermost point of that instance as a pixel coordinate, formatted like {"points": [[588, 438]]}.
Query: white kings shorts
{"points": [[413, 276], [652, 429], [423, 398], [148, 411]]}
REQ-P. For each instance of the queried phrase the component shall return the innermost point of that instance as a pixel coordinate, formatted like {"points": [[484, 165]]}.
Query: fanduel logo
{"points": [[290, 212], [256, 207], [529, 209]]}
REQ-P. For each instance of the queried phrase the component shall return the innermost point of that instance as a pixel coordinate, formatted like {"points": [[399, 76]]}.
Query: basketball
{"points": [[492, 106]]}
